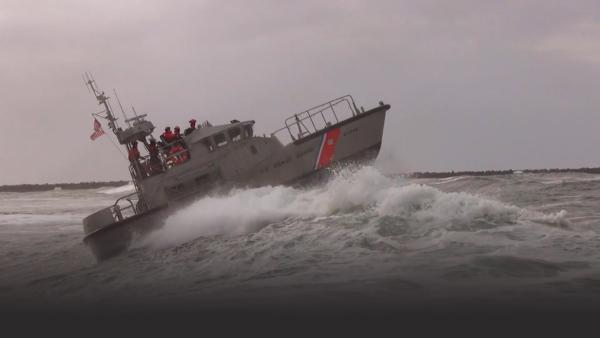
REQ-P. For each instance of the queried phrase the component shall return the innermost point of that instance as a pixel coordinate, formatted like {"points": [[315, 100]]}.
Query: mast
{"points": [[102, 100], [137, 128]]}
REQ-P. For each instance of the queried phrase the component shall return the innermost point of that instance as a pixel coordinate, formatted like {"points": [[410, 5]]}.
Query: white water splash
{"points": [[365, 191], [118, 190]]}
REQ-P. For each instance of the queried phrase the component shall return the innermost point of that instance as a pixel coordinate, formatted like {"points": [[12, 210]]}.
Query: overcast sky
{"points": [[472, 84]]}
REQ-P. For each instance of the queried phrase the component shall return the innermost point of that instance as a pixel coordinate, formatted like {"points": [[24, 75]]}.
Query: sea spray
{"points": [[127, 188], [363, 192]]}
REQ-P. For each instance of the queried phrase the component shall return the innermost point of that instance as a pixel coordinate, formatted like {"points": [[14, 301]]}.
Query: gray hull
{"points": [[354, 139], [252, 162]]}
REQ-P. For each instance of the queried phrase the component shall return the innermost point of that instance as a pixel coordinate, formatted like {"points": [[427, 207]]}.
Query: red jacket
{"points": [[134, 154], [168, 136]]}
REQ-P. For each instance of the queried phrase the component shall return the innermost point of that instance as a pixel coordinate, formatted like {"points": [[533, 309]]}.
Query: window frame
{"points": [[222, 144], [209, 144], [248, 131], [239, 134]]}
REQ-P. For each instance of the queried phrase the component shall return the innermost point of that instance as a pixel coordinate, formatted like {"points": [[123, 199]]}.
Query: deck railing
{"points": [[128, 210], [145, 166], [316, 118]]}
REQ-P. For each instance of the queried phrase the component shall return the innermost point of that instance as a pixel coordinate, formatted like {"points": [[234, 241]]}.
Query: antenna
{"points": [[102, 100], [134, 112], [90, 83], [121, 106], [85, 82]]}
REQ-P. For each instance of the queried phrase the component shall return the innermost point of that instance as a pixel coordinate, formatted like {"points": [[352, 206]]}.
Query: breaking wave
{"points": [[364, 193], [118, 190]]}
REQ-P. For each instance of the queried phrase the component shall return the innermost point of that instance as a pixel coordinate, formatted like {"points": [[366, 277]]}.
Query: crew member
{"points": [[134, 156], [168, 135], [155, 164], [191, 128], [174, 158], [134, 153], [153, 149], [177, 134]]}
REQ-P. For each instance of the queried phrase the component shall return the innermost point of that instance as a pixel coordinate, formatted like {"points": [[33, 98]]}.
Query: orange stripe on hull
{"points": [[327, 148]]}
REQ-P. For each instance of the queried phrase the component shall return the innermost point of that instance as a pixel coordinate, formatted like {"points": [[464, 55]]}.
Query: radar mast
{"points": [[102, 100], [138, 128]]}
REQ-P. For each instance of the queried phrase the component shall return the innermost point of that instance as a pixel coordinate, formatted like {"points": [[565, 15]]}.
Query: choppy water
{"points": [[362, 236]]}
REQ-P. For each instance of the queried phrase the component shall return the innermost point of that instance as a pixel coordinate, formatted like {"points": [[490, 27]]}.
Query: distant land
{"points": [[428, 174], [63, 186], [425, 174]]}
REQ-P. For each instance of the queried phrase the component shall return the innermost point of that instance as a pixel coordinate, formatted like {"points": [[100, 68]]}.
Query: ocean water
{"points": [[361, 238]]}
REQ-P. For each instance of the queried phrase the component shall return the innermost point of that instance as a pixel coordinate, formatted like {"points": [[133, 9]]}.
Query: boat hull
{"points": [[116, 238]]}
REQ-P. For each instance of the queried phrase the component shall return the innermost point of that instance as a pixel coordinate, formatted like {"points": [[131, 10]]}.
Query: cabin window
{"points": [[253, 149], [208, 144], [234, 134], [220, 140], [247, 131]]}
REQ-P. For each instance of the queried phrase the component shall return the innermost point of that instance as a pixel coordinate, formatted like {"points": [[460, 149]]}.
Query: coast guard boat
{"points": [[227, 155]]}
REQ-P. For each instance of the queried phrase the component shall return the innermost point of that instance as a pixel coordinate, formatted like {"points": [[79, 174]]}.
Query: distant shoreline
{"points": [[61, 186], [417, 174], [447, 174]]}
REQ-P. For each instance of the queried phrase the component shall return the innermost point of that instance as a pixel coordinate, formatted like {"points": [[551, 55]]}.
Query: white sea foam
{"points": [[118, 190], [569, 178], [451, 179], [365, 191], [557, 219]]}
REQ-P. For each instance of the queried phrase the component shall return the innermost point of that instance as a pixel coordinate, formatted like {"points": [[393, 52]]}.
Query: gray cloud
{"points": [[473, 85]]}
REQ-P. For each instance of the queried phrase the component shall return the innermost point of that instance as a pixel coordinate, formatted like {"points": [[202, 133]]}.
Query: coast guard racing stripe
{"points": [[327, 149]]}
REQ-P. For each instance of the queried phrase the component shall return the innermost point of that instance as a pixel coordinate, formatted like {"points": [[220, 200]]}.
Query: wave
{"points": [[23, 219], [571, 178], [118, 190], [557, 218], [364, 195], [451, 179]]}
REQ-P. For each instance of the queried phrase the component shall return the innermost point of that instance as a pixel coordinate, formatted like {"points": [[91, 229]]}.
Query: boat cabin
{"points": [[201, 142]]}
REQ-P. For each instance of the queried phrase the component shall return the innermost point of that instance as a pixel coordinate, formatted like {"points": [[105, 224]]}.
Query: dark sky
{"points": [[472, 84]]}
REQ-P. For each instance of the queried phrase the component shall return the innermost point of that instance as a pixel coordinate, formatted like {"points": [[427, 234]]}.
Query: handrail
{"points": [[118, 211], [142, 168], [297, 120], [127, 197], [330, 105]]}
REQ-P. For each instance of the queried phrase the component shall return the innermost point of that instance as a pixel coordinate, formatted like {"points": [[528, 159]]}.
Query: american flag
{"points": [[97, 130]]}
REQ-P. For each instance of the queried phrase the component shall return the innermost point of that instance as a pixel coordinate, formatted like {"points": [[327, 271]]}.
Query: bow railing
{"points": [[312, 120]]}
